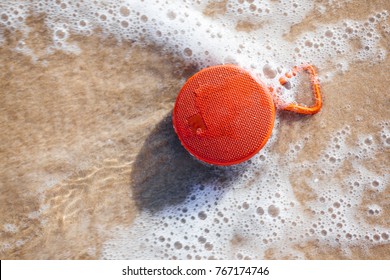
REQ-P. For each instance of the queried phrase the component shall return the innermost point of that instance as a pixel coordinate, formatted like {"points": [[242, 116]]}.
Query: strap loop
{"points": [[301, 109]]}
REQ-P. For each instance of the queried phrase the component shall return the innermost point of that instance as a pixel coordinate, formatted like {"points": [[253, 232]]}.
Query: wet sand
{"points": [[86, 142]]}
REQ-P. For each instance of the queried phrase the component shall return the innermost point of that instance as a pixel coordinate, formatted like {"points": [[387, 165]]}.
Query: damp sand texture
{"points": [[90, 167]]}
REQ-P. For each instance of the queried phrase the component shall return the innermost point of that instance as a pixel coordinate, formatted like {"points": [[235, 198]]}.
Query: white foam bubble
{"points": [[10, 228]]}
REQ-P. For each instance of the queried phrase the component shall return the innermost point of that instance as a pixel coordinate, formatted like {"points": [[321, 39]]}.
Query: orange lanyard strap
{"points": [[301, 109]]}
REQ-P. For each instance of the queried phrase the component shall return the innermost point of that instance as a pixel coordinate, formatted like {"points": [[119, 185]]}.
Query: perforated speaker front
{"points": [[223, 116]]}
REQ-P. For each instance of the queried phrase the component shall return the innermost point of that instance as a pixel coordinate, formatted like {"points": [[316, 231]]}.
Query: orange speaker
{"points": [[224, 116]]}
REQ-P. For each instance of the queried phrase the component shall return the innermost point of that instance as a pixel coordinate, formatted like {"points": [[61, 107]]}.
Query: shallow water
{"points": [[91, 168]]}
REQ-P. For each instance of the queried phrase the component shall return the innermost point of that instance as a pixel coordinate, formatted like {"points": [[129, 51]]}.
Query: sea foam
{"points": [[243, 218]]}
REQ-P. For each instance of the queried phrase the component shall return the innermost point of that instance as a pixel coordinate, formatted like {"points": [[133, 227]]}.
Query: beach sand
{"points": [[87, 145]]}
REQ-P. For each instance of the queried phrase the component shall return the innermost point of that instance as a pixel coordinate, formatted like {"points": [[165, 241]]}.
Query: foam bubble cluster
{"points": [[247, 33], [287, 205]]}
